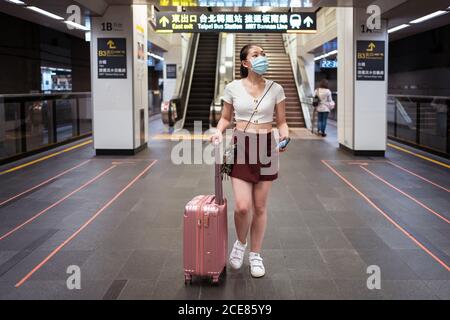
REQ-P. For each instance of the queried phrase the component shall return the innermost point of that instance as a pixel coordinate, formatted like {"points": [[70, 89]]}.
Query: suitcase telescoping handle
{"points": [[217, 176]]}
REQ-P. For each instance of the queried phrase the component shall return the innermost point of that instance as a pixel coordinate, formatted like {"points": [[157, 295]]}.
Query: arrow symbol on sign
{"points": [[371, 47], [308, 21], [111, 44], [164, 21]]}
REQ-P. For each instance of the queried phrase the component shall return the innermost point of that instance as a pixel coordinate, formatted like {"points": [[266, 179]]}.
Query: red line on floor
{"points": [[56, 203], [405, 194], [419, 176], [44, 182], [57, 249], [417, 242], [355, 160]]}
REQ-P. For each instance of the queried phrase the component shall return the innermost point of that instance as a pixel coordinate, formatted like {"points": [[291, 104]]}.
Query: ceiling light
{"points": [[429, 16], [16, 2], [326, 55], [45, 13], [155, 56], [400, 27], [296, 4], [77, 25]]}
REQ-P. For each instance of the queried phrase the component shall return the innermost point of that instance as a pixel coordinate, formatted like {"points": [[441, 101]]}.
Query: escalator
{"points": [[280, 71], [203, 81]]}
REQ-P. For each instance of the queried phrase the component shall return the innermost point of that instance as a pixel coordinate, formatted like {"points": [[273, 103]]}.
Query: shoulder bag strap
{"points": [[254, 111]]}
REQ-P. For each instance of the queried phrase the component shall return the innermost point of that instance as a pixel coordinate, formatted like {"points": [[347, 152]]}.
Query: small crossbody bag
{"points": [[228, 157]]}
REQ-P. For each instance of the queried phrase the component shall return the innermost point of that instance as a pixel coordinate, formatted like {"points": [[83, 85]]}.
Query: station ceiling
{"points": [[396, 11]]}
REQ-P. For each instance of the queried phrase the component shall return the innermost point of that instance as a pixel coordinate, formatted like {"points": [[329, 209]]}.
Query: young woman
{"points": [[252, 179], [326, 104]]}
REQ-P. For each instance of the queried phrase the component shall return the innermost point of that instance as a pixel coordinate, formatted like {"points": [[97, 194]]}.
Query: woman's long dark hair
{"points": [[243, 55]]}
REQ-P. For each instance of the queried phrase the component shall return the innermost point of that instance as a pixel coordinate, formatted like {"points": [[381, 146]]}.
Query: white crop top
{"points": [[244, 104]]}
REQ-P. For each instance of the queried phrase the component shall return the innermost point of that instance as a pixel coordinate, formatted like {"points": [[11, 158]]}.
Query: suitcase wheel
{"points": [[221, 277]]}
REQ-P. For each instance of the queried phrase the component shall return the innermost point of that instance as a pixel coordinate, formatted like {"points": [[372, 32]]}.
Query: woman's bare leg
{"points": [[243, 204], [259, 222]]}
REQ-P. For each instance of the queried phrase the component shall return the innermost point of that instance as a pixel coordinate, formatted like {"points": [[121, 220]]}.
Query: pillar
{"points": [[362, 84], [120, 80]]}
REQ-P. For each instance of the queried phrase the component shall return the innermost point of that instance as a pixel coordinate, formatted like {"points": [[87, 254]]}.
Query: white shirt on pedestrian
{"points": [[326, 103]]}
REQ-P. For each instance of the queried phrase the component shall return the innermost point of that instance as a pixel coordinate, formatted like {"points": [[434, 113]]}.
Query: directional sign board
{"points": [[112, 58], [171, 71], [298, 22], [370, 60], [238, 3]]}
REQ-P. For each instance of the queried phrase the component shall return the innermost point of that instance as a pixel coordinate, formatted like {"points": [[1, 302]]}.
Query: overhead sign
{"points": [[370, 60], [298, 22], [112, 58], [236, 3]]}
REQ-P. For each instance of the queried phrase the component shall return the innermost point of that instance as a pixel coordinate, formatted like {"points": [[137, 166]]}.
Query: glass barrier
{"points": [[30, 122], [420, 120]]}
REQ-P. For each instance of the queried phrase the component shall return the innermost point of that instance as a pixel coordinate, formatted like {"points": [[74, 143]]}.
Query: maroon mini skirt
{"points": [[255, 156]]}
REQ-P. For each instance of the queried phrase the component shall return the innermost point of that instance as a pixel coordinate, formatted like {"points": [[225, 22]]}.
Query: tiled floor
{"points": [[328, 222]]}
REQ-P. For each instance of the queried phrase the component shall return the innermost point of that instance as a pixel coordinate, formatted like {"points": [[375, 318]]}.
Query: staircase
{"points": [[203, 81], [280, 70]]}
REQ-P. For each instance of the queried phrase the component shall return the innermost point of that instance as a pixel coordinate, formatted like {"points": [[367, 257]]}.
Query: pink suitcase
{"points": [[205, 233]]}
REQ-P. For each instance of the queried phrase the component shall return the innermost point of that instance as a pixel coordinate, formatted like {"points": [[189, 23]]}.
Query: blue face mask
{"points": [[260, 65]]}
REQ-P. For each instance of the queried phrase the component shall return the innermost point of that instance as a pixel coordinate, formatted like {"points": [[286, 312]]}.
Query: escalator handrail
{"points": [[191, 65], [185, 87], [298, 79], [219, 53], [217, 103]]}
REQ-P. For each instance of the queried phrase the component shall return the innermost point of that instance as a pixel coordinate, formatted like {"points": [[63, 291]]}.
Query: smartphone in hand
{"points": [[283, 144]]}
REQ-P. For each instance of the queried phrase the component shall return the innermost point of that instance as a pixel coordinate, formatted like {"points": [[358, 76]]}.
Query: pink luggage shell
{"points": [[205, 234]]}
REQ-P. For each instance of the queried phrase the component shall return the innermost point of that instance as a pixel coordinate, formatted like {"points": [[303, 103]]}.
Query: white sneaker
{"points": [[257, 269], [237, 255]]}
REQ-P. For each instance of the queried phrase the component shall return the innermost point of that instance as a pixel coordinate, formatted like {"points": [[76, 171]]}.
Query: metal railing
{"points": [[33, 122], [421, 121], [307, 105]]}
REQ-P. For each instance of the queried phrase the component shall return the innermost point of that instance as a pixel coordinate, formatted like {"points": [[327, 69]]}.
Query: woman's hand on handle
{"points": [[216, 137]]}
